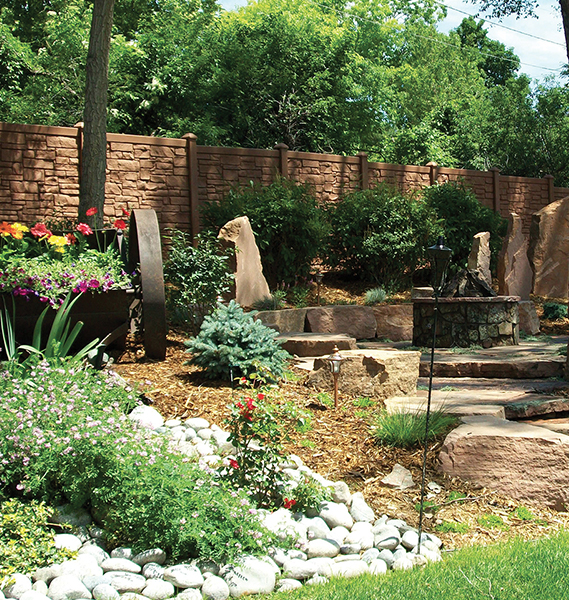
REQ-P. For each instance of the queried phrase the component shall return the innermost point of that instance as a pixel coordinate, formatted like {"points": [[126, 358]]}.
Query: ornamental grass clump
{"points": [[65, 437], [407, 429], [231, 344]]}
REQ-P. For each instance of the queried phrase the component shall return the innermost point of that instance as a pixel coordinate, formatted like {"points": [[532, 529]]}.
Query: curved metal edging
{"points": [[145, 249]]}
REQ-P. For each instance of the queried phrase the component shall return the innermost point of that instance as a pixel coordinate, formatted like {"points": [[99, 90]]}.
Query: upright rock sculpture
{"points": [[514, 270], [250, 283], [479, 258], [549, 249]]}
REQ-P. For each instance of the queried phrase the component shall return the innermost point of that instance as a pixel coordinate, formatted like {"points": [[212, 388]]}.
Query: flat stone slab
{"points": [[524, 462], [356, 321], [560, 425], [372, 373], [315, 344], [466, 407]]}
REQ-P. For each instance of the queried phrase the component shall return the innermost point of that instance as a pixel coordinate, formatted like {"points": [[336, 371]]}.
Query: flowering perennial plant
{"points": [[64, 436], [36, 262], [258, 430]]}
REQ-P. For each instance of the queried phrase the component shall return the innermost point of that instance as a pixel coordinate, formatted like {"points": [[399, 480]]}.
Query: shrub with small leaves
{"points": [[195, 277], [307, 493], [232, 343], [26, 540], [553, 311]]}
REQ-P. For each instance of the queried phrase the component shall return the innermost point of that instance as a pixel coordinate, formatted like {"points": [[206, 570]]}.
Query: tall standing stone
{"points": [[479, 257], [549, 249], [514, 269], [250, 283]]}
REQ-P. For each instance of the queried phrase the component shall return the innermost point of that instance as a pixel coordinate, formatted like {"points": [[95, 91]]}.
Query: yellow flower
{"points": [[18, 230], [59, 241]]}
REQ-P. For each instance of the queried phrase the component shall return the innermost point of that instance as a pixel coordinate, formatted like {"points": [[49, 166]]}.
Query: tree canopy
{"points": [[327, 76]]}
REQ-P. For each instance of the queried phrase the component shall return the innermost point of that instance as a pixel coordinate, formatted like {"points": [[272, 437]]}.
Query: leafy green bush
{"points": [[554, 311], [195, 277], [231, 339], [289, 226], [26, 540], [380, 235], [406, 429], [64, 436], [463, 217]]}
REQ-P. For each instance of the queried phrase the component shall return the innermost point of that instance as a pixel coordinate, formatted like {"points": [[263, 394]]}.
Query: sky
{"points": [[539, 58]]}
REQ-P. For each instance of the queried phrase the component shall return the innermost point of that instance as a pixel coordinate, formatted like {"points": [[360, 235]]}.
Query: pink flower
{"points": [[94, 283], [91, 211], [84, 228], [40, 230]]}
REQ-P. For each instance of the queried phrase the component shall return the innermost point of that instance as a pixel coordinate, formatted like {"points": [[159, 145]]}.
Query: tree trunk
{"points": [[94, 159], [564, 4]]}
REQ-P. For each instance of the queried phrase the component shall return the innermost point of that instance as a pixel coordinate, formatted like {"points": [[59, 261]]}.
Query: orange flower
{"points": [[5, 229], [71, 239], [18, 230], [91, 211]]}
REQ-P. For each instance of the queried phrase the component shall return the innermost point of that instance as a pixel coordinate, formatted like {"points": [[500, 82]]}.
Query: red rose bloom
{"points": [[233, 463], [289, 503]]}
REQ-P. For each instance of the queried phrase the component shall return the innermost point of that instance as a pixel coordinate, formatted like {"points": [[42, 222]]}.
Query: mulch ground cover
{"points": [[340, 446]]}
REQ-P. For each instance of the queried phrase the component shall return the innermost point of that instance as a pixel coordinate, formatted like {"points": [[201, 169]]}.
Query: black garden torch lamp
{"points": [[318, 276], [439, 256], [335, 361]]}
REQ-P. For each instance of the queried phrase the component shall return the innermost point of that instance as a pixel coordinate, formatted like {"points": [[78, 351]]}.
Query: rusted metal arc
{"points": [[145, 250]]}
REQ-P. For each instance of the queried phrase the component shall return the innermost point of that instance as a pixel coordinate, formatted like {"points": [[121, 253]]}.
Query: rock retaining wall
{"points": [[463, 322]]}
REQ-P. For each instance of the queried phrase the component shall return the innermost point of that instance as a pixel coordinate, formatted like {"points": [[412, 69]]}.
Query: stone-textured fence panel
{"points": [[40, 176]]}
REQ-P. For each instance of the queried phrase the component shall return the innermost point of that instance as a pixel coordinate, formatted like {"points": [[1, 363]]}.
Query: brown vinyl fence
{"points": [[40, 171]]}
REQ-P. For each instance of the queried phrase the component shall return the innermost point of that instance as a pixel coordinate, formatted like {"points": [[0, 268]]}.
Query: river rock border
{"points": [[344, 538]]}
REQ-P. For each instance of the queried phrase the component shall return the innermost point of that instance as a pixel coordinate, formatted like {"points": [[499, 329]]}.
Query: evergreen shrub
{"points": [[380, 235], [232, 343], [289, 226], [462, 218]]}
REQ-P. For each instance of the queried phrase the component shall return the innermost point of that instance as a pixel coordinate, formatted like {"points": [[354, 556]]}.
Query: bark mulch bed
{"points": [[339, 446]]}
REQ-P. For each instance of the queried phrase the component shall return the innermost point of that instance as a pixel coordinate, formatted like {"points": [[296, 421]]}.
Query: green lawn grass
{"points": [[517, 570]]}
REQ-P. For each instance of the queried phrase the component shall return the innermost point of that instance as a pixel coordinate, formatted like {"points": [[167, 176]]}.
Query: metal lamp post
{"points": [[318, 276], [439, 256], [335, 361]]}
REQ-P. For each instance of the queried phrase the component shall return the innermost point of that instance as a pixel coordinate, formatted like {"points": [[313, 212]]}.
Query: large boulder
{"points": [[373, 373], [394, 321], [549, 249], [529, 321], [356, 321], [479, 257], [288, 320], [514, 269], [527, 463], [250, 283]]}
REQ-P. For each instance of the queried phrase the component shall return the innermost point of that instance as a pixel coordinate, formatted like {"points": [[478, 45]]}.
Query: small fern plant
{"points": [[233, 344]]}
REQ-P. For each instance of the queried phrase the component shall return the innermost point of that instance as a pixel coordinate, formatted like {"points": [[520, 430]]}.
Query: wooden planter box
{"points": [[102, 314]]}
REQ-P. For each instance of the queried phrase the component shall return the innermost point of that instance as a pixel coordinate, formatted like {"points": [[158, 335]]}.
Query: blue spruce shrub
{"points": [[229, 338]]}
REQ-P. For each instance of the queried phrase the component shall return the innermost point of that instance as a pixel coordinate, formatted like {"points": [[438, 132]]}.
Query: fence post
{"points": [[550, 190], [496, 188], [364, 173], [192, 162], [283, 159], [80, 126], [433, 172]]}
